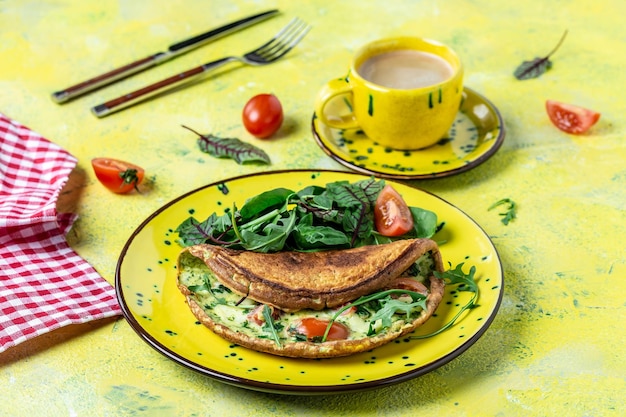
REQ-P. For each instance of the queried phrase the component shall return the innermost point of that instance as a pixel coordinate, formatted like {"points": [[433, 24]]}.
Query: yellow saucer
{"points": [[476, 134]]}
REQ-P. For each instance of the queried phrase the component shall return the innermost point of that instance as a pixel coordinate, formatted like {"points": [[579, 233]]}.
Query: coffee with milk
{"points": [[406, 69]]}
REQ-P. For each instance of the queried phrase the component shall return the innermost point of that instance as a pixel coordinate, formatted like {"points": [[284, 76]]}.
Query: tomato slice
{"points": [[313, 327], [410, 284], [118, 176], [391, 213], [570, 118]]}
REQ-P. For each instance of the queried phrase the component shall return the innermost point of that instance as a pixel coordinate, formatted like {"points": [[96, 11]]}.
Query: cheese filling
{"points": [[238, 312]]}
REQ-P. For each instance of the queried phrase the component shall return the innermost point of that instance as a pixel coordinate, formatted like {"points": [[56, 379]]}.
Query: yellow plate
{"points": [[477, 133], [146, 288]]}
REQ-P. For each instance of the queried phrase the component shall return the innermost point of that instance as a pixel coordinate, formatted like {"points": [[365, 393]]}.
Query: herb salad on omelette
{"points": [[324, 272]]}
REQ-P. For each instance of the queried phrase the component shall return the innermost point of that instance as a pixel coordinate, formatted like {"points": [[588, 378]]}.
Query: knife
{"points": [[174, 50]]}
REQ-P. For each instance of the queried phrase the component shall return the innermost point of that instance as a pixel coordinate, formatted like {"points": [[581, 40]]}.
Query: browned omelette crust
{"points": [[329, 349], [351, 263], [294, 281]]}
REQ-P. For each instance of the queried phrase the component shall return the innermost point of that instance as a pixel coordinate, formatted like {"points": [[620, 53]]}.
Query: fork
{"points": [[277, 47]]}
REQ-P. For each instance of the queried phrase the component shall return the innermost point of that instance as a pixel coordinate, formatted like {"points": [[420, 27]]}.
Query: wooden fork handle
{"points": [[151, 90]]}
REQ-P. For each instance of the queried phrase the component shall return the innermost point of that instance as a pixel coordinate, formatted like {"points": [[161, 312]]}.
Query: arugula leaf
{"points": [[206, 286], [465, 282], [392, 306], [232, 148], [416, 297], [510, 213], [537, 66], [269, 325]]}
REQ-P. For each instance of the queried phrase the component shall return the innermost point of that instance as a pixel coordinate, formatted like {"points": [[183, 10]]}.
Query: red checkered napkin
{"points": [[44, 284]]}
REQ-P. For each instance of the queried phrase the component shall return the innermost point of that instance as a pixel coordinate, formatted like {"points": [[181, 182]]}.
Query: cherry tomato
{"points": [[118, 176], [570, 118], [391, 214], [312, 328], [411, 284], [263, 115]]}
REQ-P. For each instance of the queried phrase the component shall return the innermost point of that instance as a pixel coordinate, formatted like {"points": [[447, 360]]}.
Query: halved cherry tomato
{"points": [[411, 284], [570, 118], [391, 214], [312, 327], [118, 176], [263, 115]]}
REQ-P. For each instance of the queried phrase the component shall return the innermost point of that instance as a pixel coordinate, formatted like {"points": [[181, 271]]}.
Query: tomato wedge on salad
{"points": [[312, 327], [118, 176], [392, 215], [570, 118]]}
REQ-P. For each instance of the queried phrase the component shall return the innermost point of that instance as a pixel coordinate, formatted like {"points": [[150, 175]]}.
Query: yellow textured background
{"points": [[557, 346]]}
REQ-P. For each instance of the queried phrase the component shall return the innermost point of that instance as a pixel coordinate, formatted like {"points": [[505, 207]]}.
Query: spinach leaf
{"points": [[193, 232], [264, 202], [425, 222], [272, 237], [339, 215], [319, 237]]}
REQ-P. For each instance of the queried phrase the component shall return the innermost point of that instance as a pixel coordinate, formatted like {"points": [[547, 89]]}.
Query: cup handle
{"points": [[332, 89]]}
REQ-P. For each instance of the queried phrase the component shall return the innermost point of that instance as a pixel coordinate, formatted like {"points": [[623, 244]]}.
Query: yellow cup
{"points": [[404, 92]]}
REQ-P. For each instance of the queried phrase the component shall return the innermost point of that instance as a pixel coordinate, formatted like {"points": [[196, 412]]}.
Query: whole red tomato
{"points": [[263, 115], [118, 176]]}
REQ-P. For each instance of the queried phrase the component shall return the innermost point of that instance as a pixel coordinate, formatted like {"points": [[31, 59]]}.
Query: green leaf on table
{"points": [[537, 66], [232, 148], [511, 211]]}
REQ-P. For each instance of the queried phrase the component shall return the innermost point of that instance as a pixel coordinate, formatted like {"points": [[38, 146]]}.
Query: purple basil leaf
{"points": [[232, 148], [538, 66], [532, 69]]}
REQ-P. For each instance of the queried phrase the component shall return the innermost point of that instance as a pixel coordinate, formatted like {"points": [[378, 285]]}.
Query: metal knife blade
{"points": [[173, 50]]}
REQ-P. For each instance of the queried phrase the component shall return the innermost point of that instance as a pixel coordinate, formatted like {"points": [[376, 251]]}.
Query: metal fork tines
{"points": [[277, 47], [280, 44]]}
